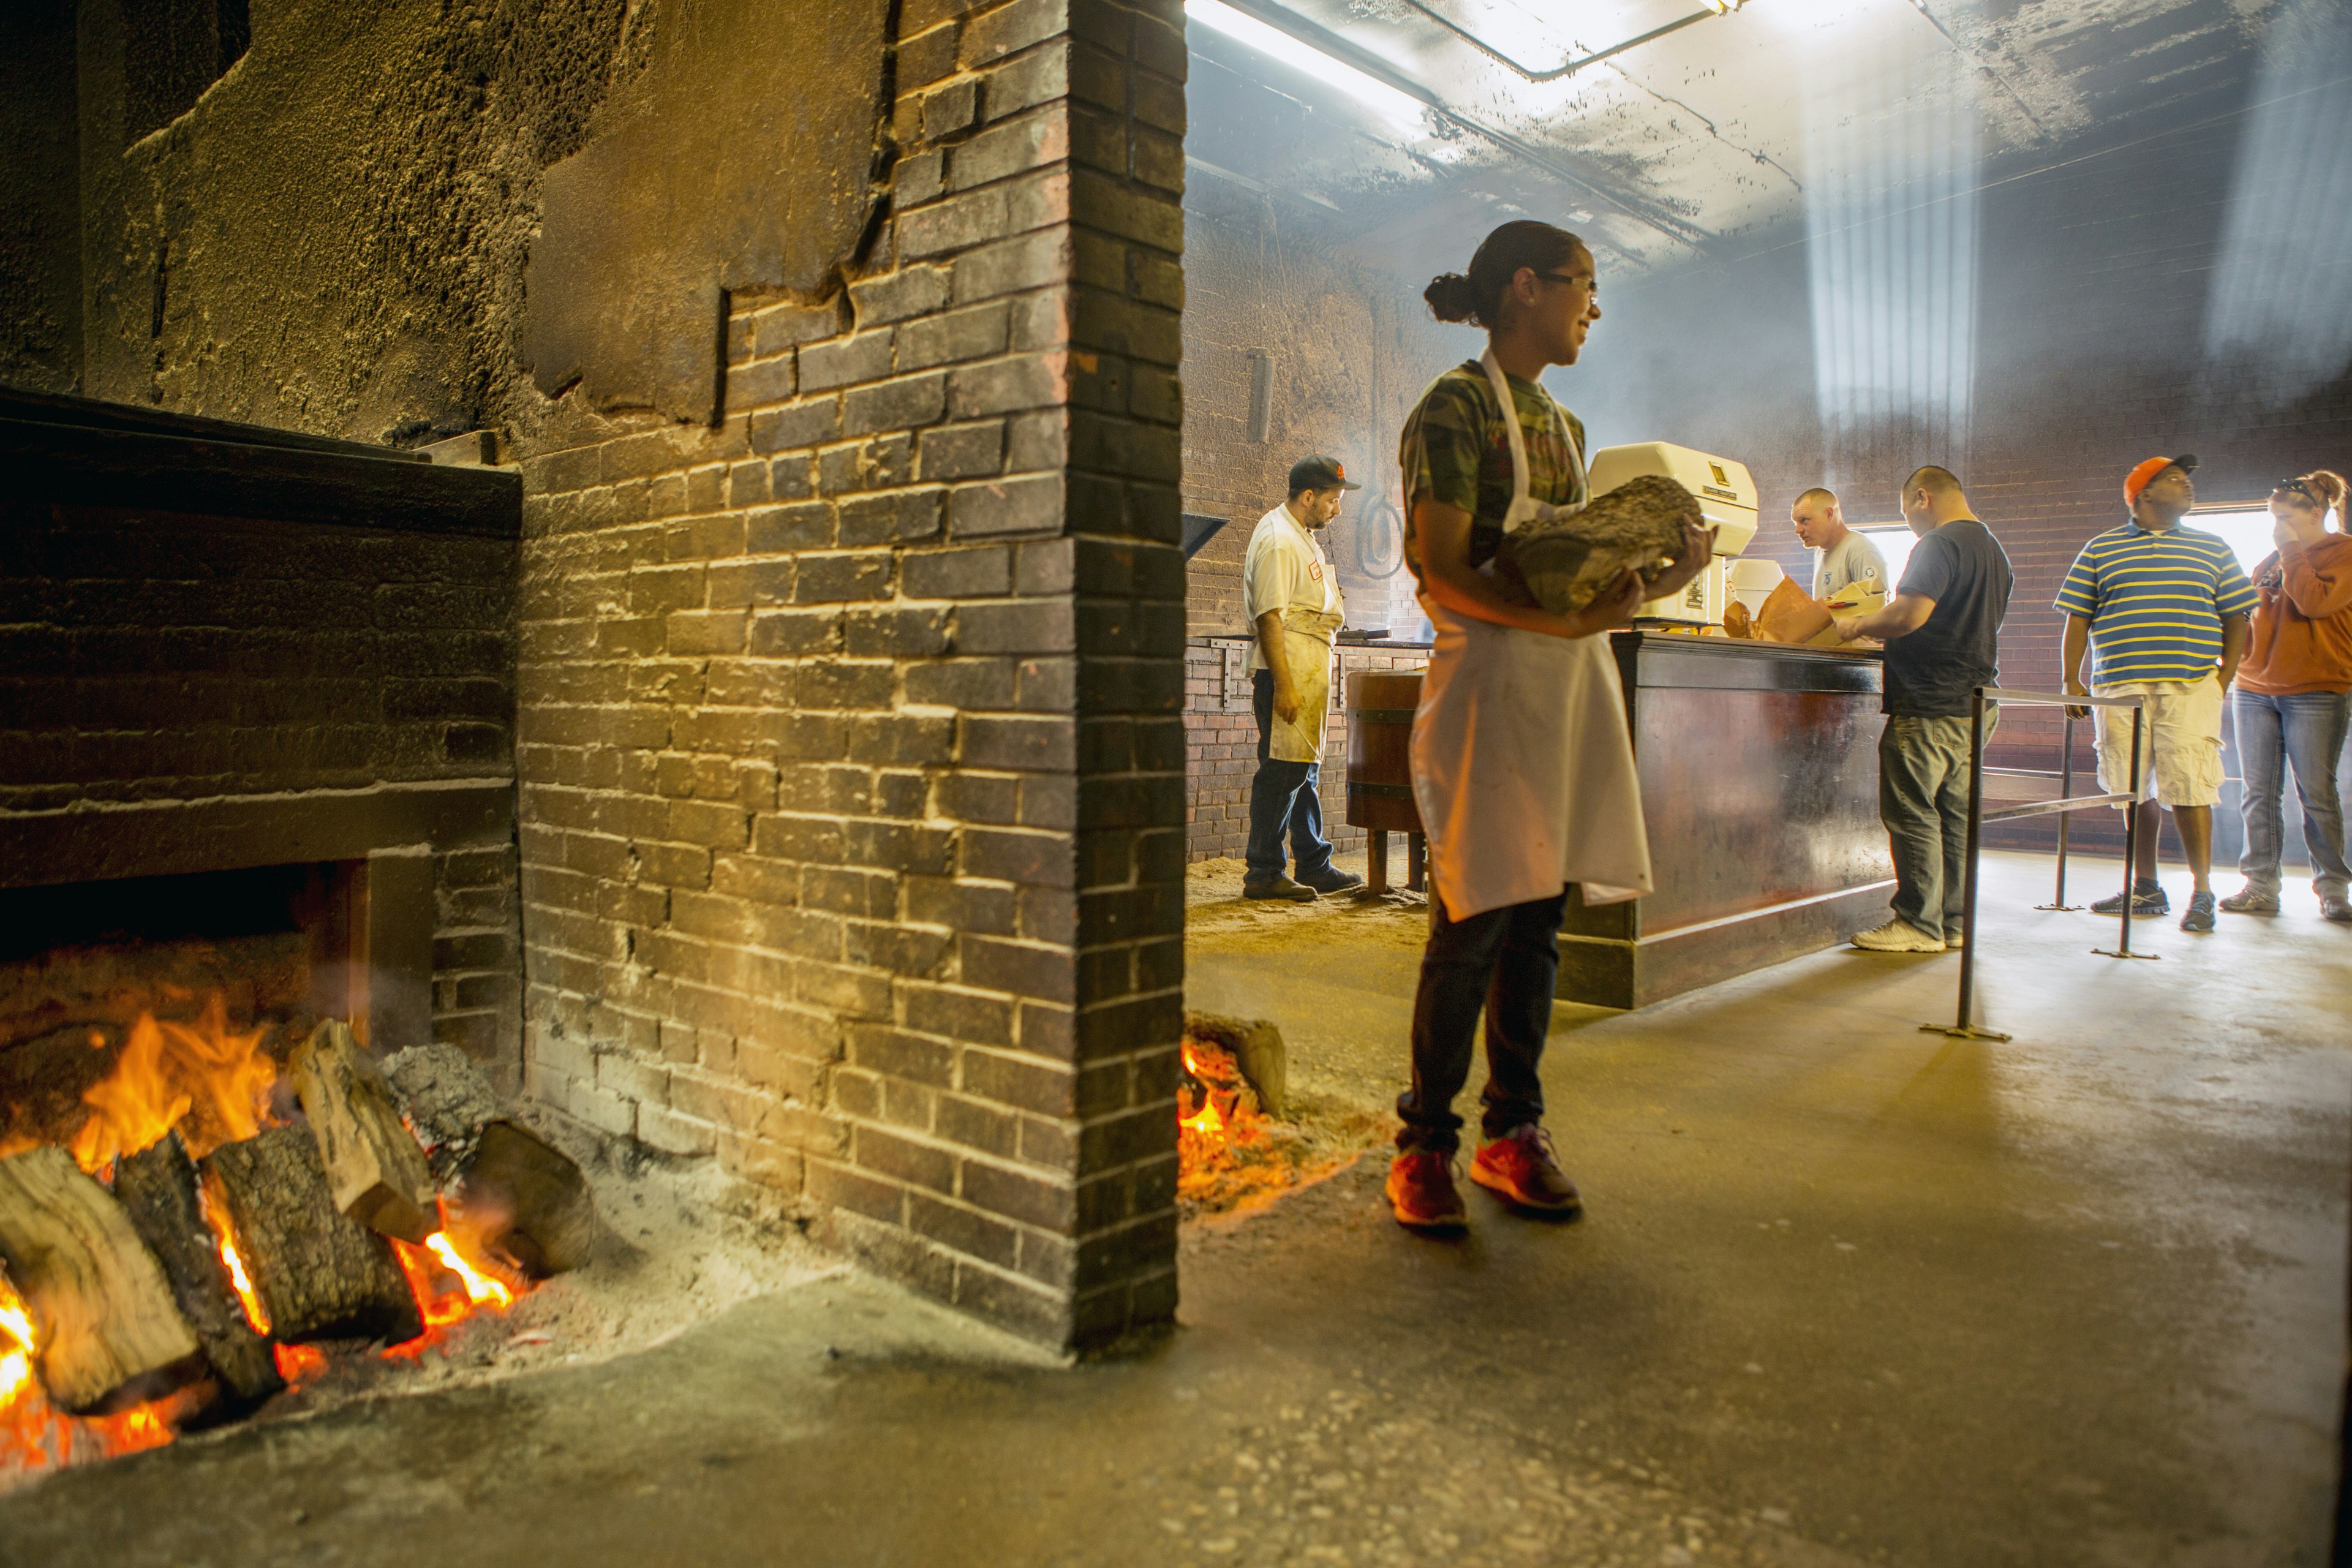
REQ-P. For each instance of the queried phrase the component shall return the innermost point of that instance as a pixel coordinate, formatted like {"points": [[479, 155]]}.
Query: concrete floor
{"points": [[1846, 1292]]}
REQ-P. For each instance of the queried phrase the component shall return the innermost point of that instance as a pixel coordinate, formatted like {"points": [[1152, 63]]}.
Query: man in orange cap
{"points": [[2165, 608]]}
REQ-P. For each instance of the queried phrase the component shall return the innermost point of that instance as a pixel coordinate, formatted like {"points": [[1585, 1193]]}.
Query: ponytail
{"points": [[1477, 298], [2332, 490]]}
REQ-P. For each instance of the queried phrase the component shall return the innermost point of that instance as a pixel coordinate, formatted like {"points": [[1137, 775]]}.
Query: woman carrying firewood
{"points": [[1521, 763]]}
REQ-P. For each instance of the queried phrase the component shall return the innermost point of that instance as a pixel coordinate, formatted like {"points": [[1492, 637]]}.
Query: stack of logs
{"points": [[130, 1293]]}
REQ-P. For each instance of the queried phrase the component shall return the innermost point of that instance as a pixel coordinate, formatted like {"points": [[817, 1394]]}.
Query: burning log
{"points": [[526, 1203], [320, 1275], [447, 1101], [1256, 1048], [108, 1332], [157, 1188], [373, 1165]]}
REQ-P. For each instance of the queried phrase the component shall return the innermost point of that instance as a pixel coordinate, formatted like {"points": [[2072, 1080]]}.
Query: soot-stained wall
{"points": [[332, 238]]}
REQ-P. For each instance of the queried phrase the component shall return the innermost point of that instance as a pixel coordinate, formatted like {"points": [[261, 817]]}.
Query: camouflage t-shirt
{"points": [[1456, 451]]}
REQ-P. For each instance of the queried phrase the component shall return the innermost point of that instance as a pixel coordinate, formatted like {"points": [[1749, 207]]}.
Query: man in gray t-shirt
{"points": [[1846, 557]]}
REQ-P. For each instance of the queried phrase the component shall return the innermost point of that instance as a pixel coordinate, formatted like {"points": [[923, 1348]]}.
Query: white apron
{"points": [[1521, 763], [1307, 644]]}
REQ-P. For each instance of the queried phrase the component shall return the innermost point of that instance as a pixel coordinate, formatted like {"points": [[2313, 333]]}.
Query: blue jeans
{"points": [[1282, 796], [2307, 730]]}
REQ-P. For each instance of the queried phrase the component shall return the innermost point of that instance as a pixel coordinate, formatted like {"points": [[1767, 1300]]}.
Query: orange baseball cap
{"points": [[2140, 477]]}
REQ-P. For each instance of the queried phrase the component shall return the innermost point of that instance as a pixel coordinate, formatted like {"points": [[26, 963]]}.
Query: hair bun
{"points": [[1451, 298]]}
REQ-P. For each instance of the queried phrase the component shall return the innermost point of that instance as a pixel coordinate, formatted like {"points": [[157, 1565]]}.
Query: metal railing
{"points": [[1964, 1028]]}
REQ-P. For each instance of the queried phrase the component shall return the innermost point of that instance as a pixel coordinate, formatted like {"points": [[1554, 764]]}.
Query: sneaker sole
{"points": [[1281, 898], [1869, 947], [1510, 1195]]}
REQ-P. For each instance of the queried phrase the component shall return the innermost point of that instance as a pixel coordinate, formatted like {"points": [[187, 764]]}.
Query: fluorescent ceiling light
{"points": [[1400, 109]]}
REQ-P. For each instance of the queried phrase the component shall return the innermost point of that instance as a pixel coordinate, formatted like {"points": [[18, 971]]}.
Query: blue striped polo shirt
{"points": [[2156, 602]]}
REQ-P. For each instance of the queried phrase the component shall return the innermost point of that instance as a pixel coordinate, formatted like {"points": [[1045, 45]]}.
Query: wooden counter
{"points": [[1759, 783]]}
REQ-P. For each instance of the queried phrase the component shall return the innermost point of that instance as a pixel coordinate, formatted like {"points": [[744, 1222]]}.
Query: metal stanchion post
{"points": [[2066, 788], [1963, 1029], [2131, 850]]}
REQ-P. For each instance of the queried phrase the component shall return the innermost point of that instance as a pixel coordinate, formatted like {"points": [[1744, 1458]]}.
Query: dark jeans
{"points": [[1923, 799], [2306, 731], [1508, 958], [1284, 795]]}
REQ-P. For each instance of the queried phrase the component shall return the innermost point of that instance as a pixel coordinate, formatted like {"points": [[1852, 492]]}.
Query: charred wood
{"points": [[109, 1333], [157, 1188], [321, 1276]]}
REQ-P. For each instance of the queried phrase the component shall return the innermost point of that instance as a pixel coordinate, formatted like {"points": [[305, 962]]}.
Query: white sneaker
{"points": [[1897, 936]]}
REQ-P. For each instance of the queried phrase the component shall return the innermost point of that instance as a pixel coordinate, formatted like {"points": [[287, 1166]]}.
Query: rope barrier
{"points": [[1964, 1028]]}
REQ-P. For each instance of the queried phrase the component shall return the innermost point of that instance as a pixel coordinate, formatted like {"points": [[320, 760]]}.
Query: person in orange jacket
{"points": [[2294, 695]]}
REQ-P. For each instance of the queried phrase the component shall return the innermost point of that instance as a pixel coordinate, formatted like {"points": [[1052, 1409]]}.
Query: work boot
{"points": [[2146, 899], [2338, 910], [2249, 902], [1897, 936], [1422, 1194], [1278, 886], [1521, 1168], [2200, 914], [1331, 879]]}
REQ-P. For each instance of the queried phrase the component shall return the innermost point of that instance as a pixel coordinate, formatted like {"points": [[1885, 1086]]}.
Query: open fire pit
{"points": [[234, 1211]]}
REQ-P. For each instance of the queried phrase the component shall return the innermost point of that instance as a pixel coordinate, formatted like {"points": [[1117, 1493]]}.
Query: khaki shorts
{"points": [[2183, 718]]}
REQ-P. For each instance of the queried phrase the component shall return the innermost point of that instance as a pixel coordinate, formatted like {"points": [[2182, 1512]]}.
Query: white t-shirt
{"points": [[1853, 559], [1286, 569]]}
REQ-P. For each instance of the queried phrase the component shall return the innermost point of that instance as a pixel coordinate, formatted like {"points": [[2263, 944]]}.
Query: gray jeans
{"points": [[1923, 799], [2306, 730]]}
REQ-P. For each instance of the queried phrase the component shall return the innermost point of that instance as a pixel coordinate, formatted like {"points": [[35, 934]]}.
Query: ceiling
{"points": [[1692, 143]]}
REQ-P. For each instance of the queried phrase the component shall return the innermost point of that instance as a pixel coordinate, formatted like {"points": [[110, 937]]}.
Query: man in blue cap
{"points": [[1291, 597]]}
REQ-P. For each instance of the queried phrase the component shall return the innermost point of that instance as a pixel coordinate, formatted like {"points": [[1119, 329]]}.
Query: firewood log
{"points": [[107, 1332], [1565, 563], [321, 1276], [524, 1201], [1257, 1050], [373, 1165], [157, 1188], [447, 1099]]}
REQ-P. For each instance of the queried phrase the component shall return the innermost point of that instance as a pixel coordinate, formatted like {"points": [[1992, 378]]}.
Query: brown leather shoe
{"points": [[1421, 1191], [1279, 886], [1522, 1169]]}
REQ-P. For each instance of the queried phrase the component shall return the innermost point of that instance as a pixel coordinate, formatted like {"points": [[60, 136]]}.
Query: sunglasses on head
{"points": [[2296, 486]]}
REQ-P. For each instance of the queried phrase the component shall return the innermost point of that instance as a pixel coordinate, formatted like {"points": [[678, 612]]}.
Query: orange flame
{"points": [[448, 1287], [299, 1364], [215, 1211], [163, 1068]]}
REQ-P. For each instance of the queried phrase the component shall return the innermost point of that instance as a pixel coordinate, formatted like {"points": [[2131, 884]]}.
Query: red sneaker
{"points": [[1422, 1194], [1521, 1168]]}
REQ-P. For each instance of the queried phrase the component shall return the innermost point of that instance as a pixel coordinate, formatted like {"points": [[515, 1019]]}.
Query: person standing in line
{"points": [[1522, 765], [1942, 631], [2164, 608], [1291, 595], [1846, 557], [2294, 695]]}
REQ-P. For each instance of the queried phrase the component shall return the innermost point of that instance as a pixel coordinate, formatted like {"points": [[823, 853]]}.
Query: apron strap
{"points": [[1521, 509]]}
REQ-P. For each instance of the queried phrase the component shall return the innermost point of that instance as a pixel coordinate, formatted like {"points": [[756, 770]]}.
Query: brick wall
{"points": [[205, 683], [850, 746], [1221, 745], [1352, 348]]}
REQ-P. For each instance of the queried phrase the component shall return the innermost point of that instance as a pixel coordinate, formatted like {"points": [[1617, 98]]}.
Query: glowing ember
{"points": [[215, 1211], [448, 1285], [1216, 1108], [299, 1364], [168, 1069]]}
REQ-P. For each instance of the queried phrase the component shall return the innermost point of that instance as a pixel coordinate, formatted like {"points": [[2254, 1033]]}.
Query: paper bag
{"points": [[1792, 616]]}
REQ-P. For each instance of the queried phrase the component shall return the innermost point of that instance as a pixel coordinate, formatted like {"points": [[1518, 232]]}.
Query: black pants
{"points": [[1507, 960]]}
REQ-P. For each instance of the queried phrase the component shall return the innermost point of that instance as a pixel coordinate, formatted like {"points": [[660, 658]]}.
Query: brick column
{"points": [[851, 747]]}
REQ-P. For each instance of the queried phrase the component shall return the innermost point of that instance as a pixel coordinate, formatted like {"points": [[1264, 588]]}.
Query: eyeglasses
{"points": [[1567, 278], [2297, 487]]}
